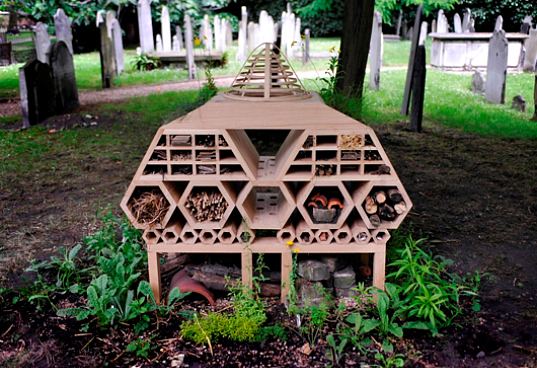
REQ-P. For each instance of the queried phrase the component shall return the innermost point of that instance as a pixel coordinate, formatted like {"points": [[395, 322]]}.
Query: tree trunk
{"points": [[535, 100], [355, 41]]}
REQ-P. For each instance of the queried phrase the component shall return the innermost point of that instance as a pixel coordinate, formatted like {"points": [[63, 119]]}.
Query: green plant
{"points": [[209, 89], [328, 89], [430, 295], [390, 360], [141, 347], [144, 62]]}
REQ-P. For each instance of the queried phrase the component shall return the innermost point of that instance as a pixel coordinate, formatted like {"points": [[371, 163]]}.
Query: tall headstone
{"points": [[306, 51], [106, 50], [41, 42], [442, 25], [252, 36], [166, 29], [297, 39], [175, 44], [179, 35], [499, 23], [530, 58], [159, 44], [63, 73], [117, 41], [399, 21], [217, 25], [207, 33], [433, 26], [266, 27], [375, 52], [229, 34], [63, 29], [189, 44], [496, 68], [242, 52], [526, 24], [457, 24], [224, 28], [145, 26], [467, 15], [36, 85]]}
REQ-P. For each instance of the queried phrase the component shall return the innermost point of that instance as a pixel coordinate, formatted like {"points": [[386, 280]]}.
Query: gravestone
{"points": [[106, 49], [207, 33], [410, 70], [165, 29], [466, 19], [36, 85], [457, 24], [496, 68], [306, 52], [145, 26], [229, 33], [478, 82], [499, 23], [399, 21], [217, 25], [189, 44], [433, 26], [175, 44], [526, 24], [117, 41], [297, 40], [179, 35], [252, 36], [63, 29], [375, 52], [159, 44], [442, 25], [63, 74], [41, 42], [242, 52], [224, 28], [530, 58], [519, 103]]}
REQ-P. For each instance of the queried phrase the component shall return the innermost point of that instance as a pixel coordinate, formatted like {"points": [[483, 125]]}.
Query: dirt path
{"points": [[87, 98]]}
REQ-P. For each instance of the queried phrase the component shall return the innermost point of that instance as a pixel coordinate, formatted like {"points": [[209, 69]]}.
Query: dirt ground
{"points": [[475, 198]]}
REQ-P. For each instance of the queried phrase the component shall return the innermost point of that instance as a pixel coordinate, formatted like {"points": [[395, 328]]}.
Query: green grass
{"points": [[133, 125]]}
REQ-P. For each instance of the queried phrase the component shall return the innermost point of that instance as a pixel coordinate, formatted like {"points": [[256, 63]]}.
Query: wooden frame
{"points": [[210, 148]]}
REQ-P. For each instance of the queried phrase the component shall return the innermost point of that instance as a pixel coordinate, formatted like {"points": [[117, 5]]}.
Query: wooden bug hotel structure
{"points": [[202, 186]]}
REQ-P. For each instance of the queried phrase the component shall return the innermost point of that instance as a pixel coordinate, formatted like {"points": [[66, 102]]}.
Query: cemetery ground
{"points": [[471, 175]]}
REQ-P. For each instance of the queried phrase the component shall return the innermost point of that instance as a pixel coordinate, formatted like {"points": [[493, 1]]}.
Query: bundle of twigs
{"points": [[206, 206], [149, 208]]}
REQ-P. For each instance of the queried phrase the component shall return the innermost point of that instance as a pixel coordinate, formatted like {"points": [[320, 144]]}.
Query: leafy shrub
{"points": [[144, 62]]}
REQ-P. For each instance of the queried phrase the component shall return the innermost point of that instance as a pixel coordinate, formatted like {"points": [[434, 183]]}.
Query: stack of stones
{"points": [[320, 276]]}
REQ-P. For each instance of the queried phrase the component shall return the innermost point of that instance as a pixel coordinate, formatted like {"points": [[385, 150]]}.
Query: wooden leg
{"points": [[247, 268], [153, 262], [379, 267], [287, 265]]}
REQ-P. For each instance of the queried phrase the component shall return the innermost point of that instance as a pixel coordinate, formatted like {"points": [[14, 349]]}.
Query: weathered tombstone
{"points": [[207, 33], [217, 25], [175, 44], [189, 44], [499, 23], [179, 35], [496, 68], [530, 58], [145, 26], [433, 26], [471, 26], [467, 15], [117, 41], [375, 52], [165, 29], [228, 33], [36, 85], [243, 35], [526, 24], [306, 51], [410, 70], [251, 36], [519, 103], [41, 42], [457, 24], [63, 29], [63, 74], [159, 44], [478, 82], [106, 50], [442, 25], [418, 83], [224, 29]]}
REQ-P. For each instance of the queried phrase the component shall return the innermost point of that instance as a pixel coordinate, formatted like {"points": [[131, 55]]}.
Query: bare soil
{"points": [[475, 200]]}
